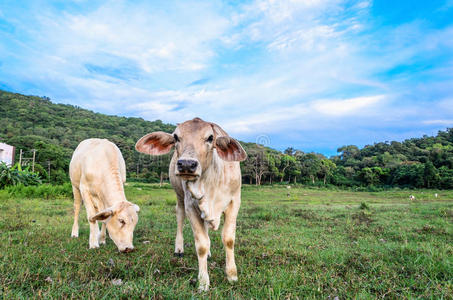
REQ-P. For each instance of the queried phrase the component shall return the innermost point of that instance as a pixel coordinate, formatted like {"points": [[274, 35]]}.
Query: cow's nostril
{"points": [[194, 165], [180, 165]]}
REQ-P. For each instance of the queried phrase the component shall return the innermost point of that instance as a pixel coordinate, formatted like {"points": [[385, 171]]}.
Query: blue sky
{"points": [[311, 74]]}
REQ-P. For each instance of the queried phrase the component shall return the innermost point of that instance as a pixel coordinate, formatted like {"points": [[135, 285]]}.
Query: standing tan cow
{"points": [[98, 172], [206, 177]]}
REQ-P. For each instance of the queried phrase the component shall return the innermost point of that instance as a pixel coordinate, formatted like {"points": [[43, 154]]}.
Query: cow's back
{"points": [[95, 161]]}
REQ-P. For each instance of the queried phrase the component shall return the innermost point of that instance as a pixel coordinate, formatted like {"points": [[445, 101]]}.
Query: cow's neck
{"points": [[203, 191], [112, 190]]}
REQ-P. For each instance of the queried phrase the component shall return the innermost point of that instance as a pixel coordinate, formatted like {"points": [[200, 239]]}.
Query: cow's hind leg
{"points": [[228, 239], [180, 215], [77, 203]]}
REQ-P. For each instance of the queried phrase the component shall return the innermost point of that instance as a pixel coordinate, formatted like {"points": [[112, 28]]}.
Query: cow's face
{"points": [[120, 221], [194, 143]]}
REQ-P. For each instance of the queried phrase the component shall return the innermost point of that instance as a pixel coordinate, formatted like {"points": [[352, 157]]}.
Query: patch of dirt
{"points": [[430, 229], [447, 213], [248, 225], [362, 218], [305, 214]]}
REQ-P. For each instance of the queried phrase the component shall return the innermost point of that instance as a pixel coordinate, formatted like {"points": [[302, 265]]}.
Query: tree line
{"points": [[55, 130], [425, 162]]}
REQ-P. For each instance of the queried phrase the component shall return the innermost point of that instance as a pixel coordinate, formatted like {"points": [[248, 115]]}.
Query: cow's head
{"points": [[120, 220], [195, 142]]}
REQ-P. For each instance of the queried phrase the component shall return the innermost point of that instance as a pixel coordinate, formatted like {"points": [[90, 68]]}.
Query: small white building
{"points": [[7, 154]]}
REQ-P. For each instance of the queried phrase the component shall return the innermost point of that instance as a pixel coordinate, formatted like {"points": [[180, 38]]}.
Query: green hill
{"points": [[54, 130]]}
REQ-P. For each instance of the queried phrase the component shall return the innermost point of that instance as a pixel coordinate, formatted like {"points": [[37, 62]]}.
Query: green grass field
{"points": [[312, 244]]}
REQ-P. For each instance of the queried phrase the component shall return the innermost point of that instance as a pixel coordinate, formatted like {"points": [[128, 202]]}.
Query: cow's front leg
{"points": [[209, 241], [202, 247], [179, 241], [91, 211], [228, 239], [94, 234], [102, 234]]}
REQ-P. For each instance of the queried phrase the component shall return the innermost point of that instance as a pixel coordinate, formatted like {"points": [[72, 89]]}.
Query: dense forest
{"points": [[54, 131]]}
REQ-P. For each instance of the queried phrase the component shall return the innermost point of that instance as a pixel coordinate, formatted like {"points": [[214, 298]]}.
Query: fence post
{"points": [[48, 170], [33, 164], [20, 157]]}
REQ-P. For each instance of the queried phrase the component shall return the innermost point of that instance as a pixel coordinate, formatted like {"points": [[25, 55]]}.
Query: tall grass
{"points": [[45, 191], [10, 176]]}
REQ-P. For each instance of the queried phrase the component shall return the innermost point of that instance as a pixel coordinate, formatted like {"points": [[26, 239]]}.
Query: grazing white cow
{"points": [[98, 172], [412, 197], [206, 177]]}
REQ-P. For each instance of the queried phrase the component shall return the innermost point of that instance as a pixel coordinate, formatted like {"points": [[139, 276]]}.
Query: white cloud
{"points": [[346, 107], [154, 43], [313, 114], [267, 66], [439, 122]]}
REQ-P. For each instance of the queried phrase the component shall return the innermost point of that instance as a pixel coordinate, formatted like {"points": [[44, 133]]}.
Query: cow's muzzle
{"points": [[127, 250], [187, 168]]}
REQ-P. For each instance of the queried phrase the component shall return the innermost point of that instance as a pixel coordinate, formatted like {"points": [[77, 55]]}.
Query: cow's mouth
{"points": [[127, 250], [188, 176]]}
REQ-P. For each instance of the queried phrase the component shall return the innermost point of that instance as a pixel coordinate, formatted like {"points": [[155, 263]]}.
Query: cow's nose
{"points": [[187, 165], [128, 249]]}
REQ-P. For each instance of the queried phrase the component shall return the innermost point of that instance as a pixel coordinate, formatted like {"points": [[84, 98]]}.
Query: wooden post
{"points": [[20, 157], [48, 170], [33, 163]]}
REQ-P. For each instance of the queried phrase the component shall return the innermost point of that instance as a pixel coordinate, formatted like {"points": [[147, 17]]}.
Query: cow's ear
{"points": [[229, 149], [156, 143], [102, 216]]}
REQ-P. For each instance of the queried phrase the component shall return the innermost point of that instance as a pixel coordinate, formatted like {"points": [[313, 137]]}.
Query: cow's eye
{"points": [[210, 139], [122, 222], [176, 137]]}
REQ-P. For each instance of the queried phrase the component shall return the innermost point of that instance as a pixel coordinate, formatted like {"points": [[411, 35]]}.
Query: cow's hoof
{"points": [[94, 246], [203, 283], [232, 275], [102, 242], [203, 287], [75, 235], [179, 254]]}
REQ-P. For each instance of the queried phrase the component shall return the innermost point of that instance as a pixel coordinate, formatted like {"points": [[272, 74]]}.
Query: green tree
{"points": [[371, 176], [431, 175], [310, 166], [409, 175], [327, 168]]}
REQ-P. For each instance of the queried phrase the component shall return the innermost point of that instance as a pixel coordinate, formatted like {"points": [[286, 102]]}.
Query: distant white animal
{"points": [[435, 195], [412, 197], [98, 172]]}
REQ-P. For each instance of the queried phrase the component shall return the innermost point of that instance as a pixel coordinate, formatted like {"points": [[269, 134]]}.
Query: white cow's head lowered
{"points": [[195, 142], [120, 220]]}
